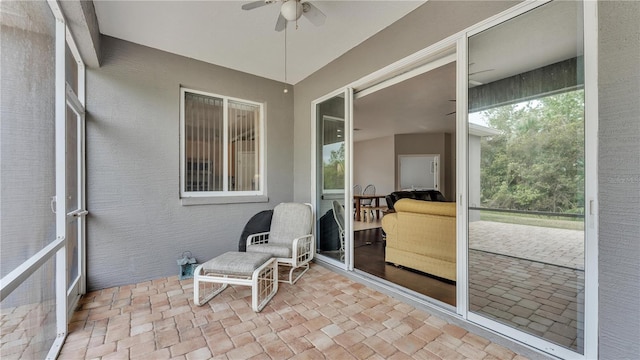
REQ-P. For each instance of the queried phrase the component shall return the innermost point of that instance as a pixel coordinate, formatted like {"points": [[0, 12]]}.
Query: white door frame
{"points": [[347, 92], [591, 127], [76, 102]]}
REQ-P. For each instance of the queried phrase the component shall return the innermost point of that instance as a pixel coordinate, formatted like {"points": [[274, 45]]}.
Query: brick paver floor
{"points": [[537, 298], [323, 316], [529, 277], [562, 247], [27, 331]]}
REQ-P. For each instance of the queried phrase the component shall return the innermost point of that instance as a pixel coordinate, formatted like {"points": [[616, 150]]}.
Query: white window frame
{"points": [[225, 196]]}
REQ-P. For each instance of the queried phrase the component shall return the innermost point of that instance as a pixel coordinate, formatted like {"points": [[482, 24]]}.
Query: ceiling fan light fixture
{"points": [[291, 10]]}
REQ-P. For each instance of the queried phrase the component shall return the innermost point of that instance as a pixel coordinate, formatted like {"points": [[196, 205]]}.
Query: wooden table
{"points": [[376, 199]]}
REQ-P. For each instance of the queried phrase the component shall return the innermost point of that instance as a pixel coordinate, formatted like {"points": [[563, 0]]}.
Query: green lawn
{"points": [[533, 220]]}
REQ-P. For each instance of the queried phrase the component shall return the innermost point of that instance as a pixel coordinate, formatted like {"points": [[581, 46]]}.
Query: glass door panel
{"points": [[526, 174], [331, 178], [73, 204]]}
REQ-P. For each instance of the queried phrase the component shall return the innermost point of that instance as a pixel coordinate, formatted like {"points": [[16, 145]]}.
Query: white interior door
{"points": [[419, 172]]}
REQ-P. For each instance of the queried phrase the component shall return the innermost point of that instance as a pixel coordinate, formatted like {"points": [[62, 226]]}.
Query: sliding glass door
{"points": [[332, 144], [526, 177]]}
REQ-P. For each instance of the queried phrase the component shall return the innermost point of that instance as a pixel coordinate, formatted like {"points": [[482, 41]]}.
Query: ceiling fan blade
{"points": [[255, 4], [281, 23], [314, 14]]}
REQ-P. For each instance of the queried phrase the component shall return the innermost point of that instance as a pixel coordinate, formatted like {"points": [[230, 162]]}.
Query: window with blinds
{"points": [[222, 145]]}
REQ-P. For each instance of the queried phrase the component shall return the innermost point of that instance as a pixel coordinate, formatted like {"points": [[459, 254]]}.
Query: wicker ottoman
{"points": [[258, 270]]}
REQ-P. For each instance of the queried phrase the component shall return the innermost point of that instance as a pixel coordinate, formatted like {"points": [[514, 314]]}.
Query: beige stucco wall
{"points": [[373, 163]]}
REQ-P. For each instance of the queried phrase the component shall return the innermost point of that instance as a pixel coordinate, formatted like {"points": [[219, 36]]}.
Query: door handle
{"points": [[78, 213]]}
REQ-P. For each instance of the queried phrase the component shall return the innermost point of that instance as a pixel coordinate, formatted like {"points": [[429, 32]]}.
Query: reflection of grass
{"points": [[533, 220]]}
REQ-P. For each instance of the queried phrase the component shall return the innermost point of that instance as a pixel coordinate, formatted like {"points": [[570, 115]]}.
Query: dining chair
{"points": [[366, 204]]}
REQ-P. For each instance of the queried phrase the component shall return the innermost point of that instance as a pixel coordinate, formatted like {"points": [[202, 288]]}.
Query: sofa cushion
{"points": [[389, 223], [426, 207], [421, 235], [427, 234]]}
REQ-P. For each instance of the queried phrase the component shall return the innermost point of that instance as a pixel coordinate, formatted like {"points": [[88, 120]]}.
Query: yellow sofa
{"points": [[421, 235]]}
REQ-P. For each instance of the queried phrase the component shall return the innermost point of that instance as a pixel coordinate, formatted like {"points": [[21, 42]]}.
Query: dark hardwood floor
{"points": [[369, 257]]}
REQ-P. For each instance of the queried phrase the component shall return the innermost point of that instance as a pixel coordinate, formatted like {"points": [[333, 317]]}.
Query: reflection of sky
{"points": [[478, 118], [327, 149]]}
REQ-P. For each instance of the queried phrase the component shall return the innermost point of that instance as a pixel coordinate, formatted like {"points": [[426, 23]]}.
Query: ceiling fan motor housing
{"points": [[291, 10]]}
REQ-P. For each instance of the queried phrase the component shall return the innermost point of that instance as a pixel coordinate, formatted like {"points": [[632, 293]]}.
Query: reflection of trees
{"points": [[334, 169], [537, 162]]}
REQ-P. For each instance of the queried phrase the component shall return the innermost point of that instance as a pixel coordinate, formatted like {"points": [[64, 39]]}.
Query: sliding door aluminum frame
{"points": [[426, 60], [591, 187], [430, 58], [57, 247], [347, 92]]}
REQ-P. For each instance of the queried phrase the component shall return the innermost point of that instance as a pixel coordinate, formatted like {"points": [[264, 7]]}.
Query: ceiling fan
{"points": [[453, 112], [291, 10], [475, 82]]}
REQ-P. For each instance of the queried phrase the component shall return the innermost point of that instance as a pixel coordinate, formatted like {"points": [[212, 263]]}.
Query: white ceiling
{"points": [[221, 33], [419, 104]]}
